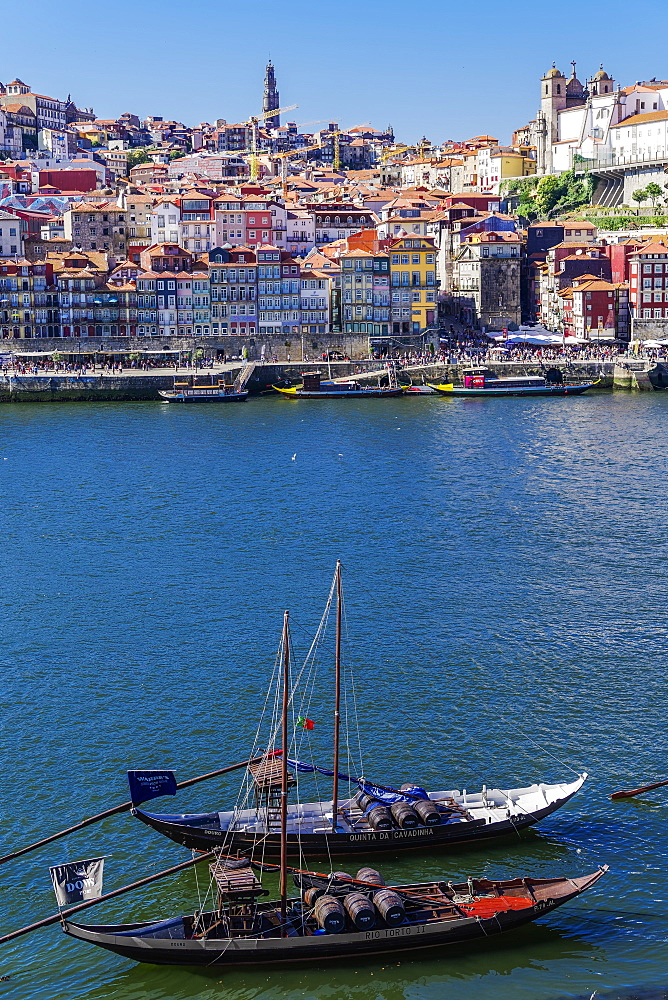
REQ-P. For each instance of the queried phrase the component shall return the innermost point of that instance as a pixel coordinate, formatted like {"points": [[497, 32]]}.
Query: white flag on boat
{"points": [[77, 881]]}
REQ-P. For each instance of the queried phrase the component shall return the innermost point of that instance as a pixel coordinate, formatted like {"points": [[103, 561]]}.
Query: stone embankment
{"points": [[144, 385]]}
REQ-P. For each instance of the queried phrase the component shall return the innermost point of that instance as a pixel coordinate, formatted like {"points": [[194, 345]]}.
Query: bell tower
{"points": [[552, 100], [271, 100]]}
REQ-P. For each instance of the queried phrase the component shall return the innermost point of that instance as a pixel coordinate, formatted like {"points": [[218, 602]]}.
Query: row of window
{"points": [[415, 258]]}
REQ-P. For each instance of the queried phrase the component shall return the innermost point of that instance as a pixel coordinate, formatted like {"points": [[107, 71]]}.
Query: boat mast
{"points": [[284, 774], [337, 698]]}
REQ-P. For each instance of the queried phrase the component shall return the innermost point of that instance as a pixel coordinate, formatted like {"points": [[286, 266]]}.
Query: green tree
{"points": [[548, 193], [653, 191], [526, 208], [176, 154], [136, 156], [639, 195]]}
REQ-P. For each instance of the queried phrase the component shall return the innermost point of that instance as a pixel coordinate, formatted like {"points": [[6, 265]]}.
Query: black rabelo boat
{"points": [[377, 818], [332, 917]]}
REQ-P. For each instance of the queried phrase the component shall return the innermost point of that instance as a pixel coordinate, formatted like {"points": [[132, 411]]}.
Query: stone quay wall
{"points": [[354, 345], [139, 385]]}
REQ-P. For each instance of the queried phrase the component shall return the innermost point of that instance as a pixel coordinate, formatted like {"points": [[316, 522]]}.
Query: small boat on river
{"points": [[204, 392], [334, 918], [314, 388], [372, 817], [483, 382]]}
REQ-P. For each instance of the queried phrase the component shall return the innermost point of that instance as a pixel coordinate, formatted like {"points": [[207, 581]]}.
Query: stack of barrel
{"points": [[358, 910], [420, 811]]}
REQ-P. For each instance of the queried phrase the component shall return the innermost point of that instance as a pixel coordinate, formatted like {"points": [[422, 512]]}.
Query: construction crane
{"points": [[395, 152], [319, 121], [283, 157], [252, 124]]}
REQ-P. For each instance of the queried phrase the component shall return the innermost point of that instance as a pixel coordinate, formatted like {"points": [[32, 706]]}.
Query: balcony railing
{"points": [[608, 158]]}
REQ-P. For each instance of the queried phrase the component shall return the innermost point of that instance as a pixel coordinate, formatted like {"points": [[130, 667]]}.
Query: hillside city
{"points": [[131, 228]]}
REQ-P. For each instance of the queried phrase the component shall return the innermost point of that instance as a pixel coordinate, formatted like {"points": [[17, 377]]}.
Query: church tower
{"points": [[552, 100], [601, 83], [270, 101]]}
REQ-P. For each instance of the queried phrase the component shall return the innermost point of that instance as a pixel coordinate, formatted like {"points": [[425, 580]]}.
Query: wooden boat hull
{"points": [[575, 389], [171, 946], [340, 393], [198, 831], [172, 396]]}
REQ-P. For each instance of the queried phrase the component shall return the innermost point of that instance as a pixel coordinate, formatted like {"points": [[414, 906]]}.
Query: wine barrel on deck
{"points": [[404, 815], [329, 914], [363, 800], [390, 906], [360, 910], [427, 812], [379, 817], [417, 790], [370, 875], [312, 895], [343, 876]]}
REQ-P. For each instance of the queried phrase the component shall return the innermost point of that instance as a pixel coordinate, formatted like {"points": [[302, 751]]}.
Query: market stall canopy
{"points": [[538, 339]]}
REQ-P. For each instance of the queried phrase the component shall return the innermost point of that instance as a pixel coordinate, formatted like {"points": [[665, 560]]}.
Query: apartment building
{"points": [[365, 292], [97, 226], [11, 236], [486, 280], [233, 290], [279, 291], [413, 283], [28, 300], [315, 301], [164, 291]]}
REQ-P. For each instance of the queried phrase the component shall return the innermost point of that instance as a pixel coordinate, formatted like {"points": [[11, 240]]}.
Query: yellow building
{"points": [[502, 163], [413, 287]]}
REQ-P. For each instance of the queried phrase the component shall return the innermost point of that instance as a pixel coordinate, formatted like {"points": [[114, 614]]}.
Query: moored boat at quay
{"points": [[203, 392], [486, 383], [314, 388]]}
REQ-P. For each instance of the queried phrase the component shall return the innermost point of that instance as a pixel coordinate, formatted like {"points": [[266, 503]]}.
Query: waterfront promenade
{"points": [[118, 382]]}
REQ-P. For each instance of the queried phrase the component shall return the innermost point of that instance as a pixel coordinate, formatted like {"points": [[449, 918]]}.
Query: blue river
{"points": [[505, 580]]}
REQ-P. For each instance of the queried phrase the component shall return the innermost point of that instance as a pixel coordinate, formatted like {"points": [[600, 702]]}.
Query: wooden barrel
{"points": [[363, 800], [379, 817], [404, 815], [370, 875], [390, 906], [360, 910], [329, 914], [312, 895], [342, 876], [414, 790], [427, 812]]}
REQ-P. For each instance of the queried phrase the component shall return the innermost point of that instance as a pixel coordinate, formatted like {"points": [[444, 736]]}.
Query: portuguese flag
{"points": [[305, 723]]}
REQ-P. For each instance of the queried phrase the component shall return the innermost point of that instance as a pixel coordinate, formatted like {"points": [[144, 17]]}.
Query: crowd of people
{"points": [[450, 346]]}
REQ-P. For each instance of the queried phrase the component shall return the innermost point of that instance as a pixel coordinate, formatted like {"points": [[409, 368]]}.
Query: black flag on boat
{"points": [[77, 881], [145, 785]]}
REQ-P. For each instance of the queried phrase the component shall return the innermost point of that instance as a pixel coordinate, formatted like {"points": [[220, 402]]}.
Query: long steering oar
{"points": [[638, 791], [123, 807], [55, 917]]}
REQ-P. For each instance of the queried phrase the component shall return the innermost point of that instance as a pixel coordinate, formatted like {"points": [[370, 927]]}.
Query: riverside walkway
{"points": [[119, 383]]}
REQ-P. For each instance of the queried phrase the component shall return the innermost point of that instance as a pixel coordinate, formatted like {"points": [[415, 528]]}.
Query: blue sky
{"points": [[444, 69]]}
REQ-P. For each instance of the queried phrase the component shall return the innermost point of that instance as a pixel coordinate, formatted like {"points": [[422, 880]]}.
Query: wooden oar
{"points": [[638, 791], [123, 807], [55, 917]]}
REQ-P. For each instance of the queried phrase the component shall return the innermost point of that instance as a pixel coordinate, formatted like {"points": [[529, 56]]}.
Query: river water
{"points": [[505, 579]]}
